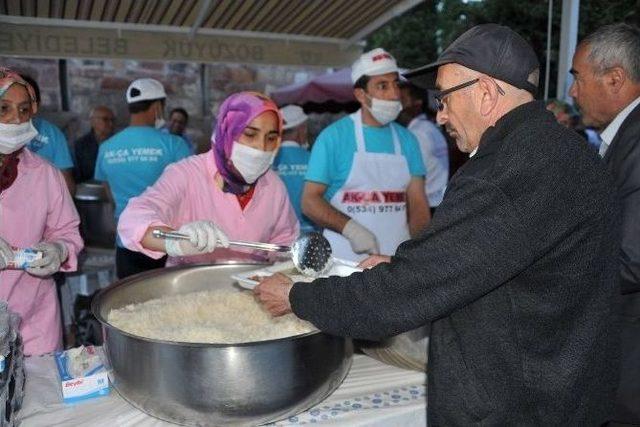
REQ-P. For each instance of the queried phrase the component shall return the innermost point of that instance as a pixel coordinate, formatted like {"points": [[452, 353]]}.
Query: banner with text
{"points": [[67, 42]]}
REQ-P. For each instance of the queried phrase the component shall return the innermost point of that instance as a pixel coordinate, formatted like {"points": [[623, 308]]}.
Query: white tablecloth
{"points": [[373, 394]]}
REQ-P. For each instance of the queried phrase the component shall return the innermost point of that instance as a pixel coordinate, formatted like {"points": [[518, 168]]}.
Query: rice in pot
{"points": [[211, 317]]}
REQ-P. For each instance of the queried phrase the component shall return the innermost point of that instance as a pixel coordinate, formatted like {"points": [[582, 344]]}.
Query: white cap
{"points": [[293, 116], [373, 63], [145, 90]]}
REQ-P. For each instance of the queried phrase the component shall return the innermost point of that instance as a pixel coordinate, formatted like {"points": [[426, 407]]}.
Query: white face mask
{"points": [[13, 137], [384, 111], [250, 162], [160, 121]]}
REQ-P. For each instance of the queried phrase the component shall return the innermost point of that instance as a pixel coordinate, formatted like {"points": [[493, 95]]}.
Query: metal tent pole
{"points": [[547, 70], [568, 40]]}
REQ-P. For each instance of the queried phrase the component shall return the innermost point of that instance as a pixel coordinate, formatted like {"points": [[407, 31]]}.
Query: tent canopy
{"points": [[295, 32], [336, 87]]}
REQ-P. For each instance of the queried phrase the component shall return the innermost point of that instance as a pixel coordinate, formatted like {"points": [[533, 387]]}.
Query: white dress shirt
{"points": [[610, 131], [435, 155]]}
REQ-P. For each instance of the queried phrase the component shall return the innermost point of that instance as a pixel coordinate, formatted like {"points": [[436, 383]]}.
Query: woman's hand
{"points": [[53, 255], [374, 260], [273, 293], [6, 254], [204, 237]]}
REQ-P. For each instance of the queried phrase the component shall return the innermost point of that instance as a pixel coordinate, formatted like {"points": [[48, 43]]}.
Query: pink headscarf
{"points": [[9, 162], [235, 113], [9, 77]]}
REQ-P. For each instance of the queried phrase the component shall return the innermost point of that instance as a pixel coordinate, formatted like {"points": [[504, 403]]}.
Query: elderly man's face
{"points": [[589, 90], [102, 122], [177, 123], [458, 114]]}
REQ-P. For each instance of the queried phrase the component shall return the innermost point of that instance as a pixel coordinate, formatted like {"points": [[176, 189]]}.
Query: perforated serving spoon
{"points": [[310, 252]]}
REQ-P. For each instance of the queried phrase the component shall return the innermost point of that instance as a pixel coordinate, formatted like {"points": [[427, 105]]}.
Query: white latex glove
{"points": [[361, 239], [6, 254], [204, 237], [53, 255]]}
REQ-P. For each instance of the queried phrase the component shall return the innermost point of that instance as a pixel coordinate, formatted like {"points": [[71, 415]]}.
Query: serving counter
{"points": [[372, 394]]}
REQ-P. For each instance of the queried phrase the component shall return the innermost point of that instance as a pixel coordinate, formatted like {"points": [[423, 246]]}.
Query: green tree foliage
{"points": [[418, 36], [412, 37]]}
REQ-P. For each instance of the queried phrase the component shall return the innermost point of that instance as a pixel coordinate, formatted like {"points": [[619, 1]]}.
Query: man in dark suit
{"points": [[517, 273], [86, 147], [606, 67]]}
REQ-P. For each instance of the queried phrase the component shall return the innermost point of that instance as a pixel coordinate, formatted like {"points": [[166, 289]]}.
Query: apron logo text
{"points": [[359, 197]]}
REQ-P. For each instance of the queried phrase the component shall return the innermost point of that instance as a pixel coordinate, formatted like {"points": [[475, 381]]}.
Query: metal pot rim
{"points": [[95, 309]]}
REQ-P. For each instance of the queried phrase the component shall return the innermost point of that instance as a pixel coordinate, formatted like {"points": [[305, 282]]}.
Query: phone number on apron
{"points": [[376, 209]]}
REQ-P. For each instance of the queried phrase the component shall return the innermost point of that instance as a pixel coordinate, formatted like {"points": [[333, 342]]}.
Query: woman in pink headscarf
{"points": [[36, 211], [229, 192]]}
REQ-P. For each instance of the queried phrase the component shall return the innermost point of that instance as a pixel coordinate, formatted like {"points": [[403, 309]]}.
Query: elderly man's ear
{"points": [[489, 96]]}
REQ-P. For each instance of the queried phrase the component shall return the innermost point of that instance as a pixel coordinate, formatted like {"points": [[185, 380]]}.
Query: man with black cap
{"points": [[134, 158], [517, 273]]}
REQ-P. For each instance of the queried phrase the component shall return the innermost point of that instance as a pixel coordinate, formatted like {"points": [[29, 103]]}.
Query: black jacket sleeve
{"points": [[476, 242]]}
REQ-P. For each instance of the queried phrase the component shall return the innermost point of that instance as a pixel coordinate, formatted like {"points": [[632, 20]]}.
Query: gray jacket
{"points": [[518, 276]]}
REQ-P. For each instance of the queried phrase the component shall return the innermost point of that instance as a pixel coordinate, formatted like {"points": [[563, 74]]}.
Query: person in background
{"points": [[433, 145], [292, 159], [36, 211], [593, 137], [134, 158], [568, 117], [562, 111], [50, 142], [606, 87], [177, 125], [365, 179], [86, 147], [229, 192], [517, 274]]}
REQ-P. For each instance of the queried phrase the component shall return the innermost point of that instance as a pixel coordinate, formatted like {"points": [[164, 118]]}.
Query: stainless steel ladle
{"points": [[310, 252]]}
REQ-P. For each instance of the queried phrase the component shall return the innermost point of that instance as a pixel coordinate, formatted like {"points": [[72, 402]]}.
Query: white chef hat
{"points": [[293, 116], [145, 90], [373, 63]]}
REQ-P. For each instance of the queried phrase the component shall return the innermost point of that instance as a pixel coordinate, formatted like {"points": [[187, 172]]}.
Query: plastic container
{"points": [[22, 258], [77, 381]]}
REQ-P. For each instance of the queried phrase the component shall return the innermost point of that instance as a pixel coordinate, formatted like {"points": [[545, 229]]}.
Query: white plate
{"points": [[340, 267]]}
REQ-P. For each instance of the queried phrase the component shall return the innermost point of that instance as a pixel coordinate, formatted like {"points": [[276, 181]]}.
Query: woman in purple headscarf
{"points": [[229, 192]]}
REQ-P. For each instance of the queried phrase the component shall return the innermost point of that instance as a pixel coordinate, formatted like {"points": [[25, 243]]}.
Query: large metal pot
{"points": [[208, 384], [97, 222]]}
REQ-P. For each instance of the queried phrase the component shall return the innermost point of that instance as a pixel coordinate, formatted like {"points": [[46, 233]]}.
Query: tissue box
{"points": [[94, 383]]}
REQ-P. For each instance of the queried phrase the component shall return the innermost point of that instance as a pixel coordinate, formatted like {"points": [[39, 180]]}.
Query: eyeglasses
{"points": [[444, 93], [440, 95]]}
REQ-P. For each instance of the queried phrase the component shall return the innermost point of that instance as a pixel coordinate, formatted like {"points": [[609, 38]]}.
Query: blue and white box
{"points": [[82, 374]]}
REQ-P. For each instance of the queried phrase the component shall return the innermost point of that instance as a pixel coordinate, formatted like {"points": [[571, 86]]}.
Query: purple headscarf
{"points": [[235, 113]]}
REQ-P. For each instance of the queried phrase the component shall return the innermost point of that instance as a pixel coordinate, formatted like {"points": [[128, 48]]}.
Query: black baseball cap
{"points": [[491, 49]]}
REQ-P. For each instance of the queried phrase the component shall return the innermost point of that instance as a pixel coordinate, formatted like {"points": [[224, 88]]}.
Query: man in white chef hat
{"points": [[365, 179]]}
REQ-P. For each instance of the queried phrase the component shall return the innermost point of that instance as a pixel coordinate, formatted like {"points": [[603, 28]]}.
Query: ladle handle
{"points": [[270, 247]]}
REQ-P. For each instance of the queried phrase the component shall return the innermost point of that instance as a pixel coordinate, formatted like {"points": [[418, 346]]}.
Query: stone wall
{"points": [[104, 82]]}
